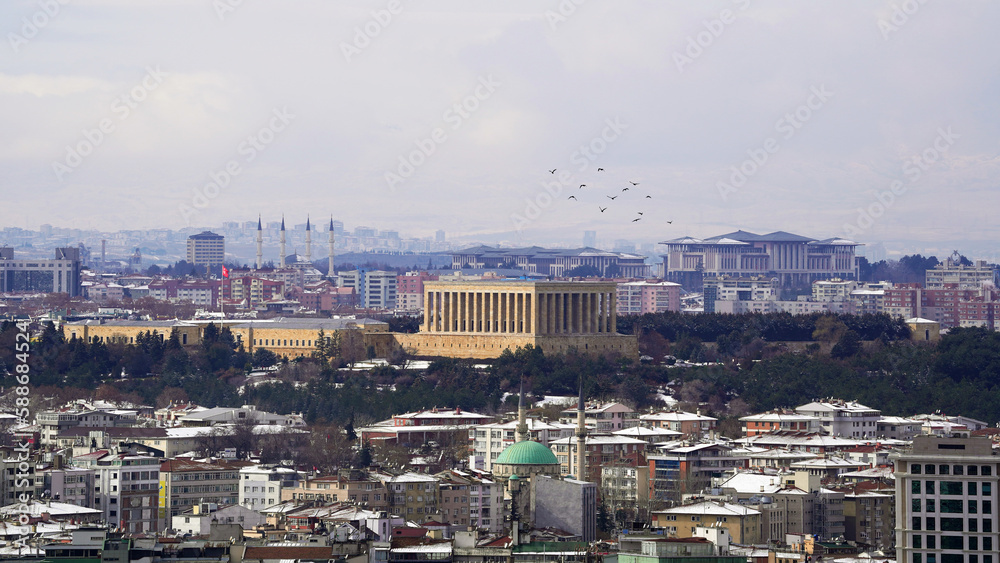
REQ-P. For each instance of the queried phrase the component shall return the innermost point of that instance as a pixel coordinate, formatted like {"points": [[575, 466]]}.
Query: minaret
{"points": [[330, 273], [260, 245], [281, 262], [309, 242], [581, 438], [521, 432]]}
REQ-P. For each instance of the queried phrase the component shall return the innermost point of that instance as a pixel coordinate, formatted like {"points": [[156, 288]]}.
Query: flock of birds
{"points": [[612, 197]]}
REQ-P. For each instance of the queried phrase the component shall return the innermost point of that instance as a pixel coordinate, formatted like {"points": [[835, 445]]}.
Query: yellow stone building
{"points": [[468, 319], [481, 319]]}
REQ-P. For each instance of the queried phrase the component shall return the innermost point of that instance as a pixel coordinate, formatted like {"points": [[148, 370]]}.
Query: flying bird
{"points": [[633, 183], [600, 170], [611, 198], [639, 212], [624, 189], [583, 185], [636, 219], [601, 208], [649, 197], [553, 171], [670, 222], [572, 197]]}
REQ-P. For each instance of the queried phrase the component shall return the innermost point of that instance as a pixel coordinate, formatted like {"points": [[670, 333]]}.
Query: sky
{"points": [[873, 121]]}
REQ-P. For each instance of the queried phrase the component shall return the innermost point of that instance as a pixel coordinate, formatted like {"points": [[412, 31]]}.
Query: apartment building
{"points": [[641, 297], [844, 418], [260, 487], [185, 483], [604, 417]]}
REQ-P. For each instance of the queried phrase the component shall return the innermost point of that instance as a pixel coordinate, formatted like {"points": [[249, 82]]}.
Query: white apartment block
{"points": [[966, 277], [260, 487], [849, 419]]}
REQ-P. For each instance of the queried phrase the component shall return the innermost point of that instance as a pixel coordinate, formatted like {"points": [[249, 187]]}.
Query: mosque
{"points": [[540, 496], [294, 260]]}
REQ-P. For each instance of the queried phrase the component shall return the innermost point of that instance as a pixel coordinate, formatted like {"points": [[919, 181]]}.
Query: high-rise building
{"points": [[590, 238], [946, 490], [206, 249]]}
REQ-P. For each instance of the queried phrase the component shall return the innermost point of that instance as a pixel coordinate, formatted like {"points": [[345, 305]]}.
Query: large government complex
{"points": [[796, 261]]}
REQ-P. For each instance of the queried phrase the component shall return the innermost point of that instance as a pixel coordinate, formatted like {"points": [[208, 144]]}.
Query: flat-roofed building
{"points": [[60, 274], [482, 319], [946, 501]]}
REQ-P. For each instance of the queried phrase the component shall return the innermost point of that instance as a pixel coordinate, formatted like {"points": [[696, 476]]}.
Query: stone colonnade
{"points": [[520, 312]]}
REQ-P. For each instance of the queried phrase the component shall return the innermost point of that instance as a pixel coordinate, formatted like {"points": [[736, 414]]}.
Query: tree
{"points": [[849, 344], [829, 329]]}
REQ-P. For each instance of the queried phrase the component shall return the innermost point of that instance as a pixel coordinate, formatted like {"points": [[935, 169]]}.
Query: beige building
{"points": [[206, 249], [742, 522], [482, 319]]}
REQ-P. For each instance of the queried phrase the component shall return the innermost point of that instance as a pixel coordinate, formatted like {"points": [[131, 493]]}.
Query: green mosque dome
{"points": [[527, 453]]}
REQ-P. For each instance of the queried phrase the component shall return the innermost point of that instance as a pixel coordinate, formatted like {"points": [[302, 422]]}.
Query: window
{"points": [[973, 507], [915, 505], [929, 487], [973, 543], [988, 526], [951, 506], [915, 487], [958, 470], [987, 507], [915, 523], [973, 470], [987, 489], [973, 525], [931, 541], [918, 541], [943, 469], [918, 558], [915, 468], [986, 471], [930, 527], [987, 542], [951, 525], [951, 487], [972, 488], [951, 542], [929, 469], [930, 505]]}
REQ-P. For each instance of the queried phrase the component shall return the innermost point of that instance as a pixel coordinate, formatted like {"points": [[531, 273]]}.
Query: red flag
{"points": [[225, 272]]}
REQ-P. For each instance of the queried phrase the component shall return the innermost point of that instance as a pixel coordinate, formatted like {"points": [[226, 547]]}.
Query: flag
{"points": [[225, 272]]}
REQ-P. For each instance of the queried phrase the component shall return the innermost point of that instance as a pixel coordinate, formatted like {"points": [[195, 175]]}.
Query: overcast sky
{"points": [[314, 105]]}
